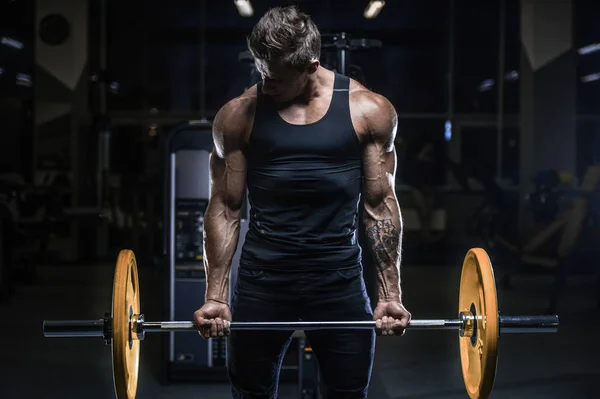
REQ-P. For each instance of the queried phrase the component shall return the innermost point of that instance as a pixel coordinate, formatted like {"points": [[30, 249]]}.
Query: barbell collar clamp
{"points": [[107, 331], [137, 326], [467, 325]]}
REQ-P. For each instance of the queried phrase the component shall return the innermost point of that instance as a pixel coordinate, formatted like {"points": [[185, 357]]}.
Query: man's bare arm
{"points": [[382, 217], [227, 179]]}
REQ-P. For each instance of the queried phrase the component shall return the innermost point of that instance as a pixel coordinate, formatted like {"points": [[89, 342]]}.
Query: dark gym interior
{"points": [[106, 110]]}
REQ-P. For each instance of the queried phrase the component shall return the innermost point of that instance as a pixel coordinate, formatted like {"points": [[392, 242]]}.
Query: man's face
{"points": [[283, 82]]}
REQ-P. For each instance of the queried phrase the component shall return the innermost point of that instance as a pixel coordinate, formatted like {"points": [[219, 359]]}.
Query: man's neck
{"points": [[316, 86]]}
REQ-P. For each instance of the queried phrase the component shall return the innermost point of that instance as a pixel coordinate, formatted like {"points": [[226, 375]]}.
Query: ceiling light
{"points": [[244, 7], [373, 8]]}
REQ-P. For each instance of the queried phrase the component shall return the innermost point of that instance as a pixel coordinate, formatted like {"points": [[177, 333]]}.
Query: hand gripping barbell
{"points": [[479, 325]]}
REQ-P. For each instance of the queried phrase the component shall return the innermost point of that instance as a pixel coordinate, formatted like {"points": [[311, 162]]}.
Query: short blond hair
{"points": [[285, 34]]}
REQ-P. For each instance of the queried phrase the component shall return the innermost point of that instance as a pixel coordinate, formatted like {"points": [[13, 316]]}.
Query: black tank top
{"points": [[304, 184]]}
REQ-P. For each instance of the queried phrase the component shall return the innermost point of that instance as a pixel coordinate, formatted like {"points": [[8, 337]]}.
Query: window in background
{"points": [[512, 58], [588, 145], [422, 152], [226, 75], [137, 160], [588, 86], [154, 58], [17, 21], [510, 155], [17, 49], [229, 67], [137, 150], [477, 30], [126, 56], [587, 41], [174, 73], [125, 155], [16, 65], [479, 149], [411, 67]]}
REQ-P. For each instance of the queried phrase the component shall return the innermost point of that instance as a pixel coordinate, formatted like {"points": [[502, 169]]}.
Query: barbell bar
{"points": [[479, 324], [98, 328]]}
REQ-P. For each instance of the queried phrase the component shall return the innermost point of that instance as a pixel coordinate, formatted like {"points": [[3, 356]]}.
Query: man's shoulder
{"points": [[236, 117], [367, 101], [239, 108], [373, 113]]}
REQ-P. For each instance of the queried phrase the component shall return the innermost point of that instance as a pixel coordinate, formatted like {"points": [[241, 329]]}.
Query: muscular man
{"points": [[307, 142]]}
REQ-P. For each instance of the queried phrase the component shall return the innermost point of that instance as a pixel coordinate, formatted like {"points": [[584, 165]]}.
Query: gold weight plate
{"points": [[478, 355], [125, 303]]}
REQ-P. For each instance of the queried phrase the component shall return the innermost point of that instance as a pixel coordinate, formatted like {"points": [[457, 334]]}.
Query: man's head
{"points": [[286, 45]]}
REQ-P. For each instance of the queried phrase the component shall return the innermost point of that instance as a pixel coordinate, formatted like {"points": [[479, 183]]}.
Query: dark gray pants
{"points": [[345, 357]]}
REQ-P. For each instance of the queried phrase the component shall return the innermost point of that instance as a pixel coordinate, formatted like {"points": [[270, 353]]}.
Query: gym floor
{"points": [[422, 364]]}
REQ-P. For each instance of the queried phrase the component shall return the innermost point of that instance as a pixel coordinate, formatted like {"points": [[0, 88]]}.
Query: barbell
{"points": [[479, 325]]}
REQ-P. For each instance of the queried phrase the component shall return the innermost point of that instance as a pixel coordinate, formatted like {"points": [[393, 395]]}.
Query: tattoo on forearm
{"points": [[385, 241]]}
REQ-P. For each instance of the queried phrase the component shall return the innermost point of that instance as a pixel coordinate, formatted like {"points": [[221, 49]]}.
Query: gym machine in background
{"points": [[344, 45], [187, 356]]}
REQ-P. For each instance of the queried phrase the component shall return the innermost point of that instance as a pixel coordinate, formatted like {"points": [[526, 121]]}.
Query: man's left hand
{"points": [[391, 318]]}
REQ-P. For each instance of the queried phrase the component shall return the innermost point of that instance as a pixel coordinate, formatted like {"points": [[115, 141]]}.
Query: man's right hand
{"points": [[211, 319]]}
